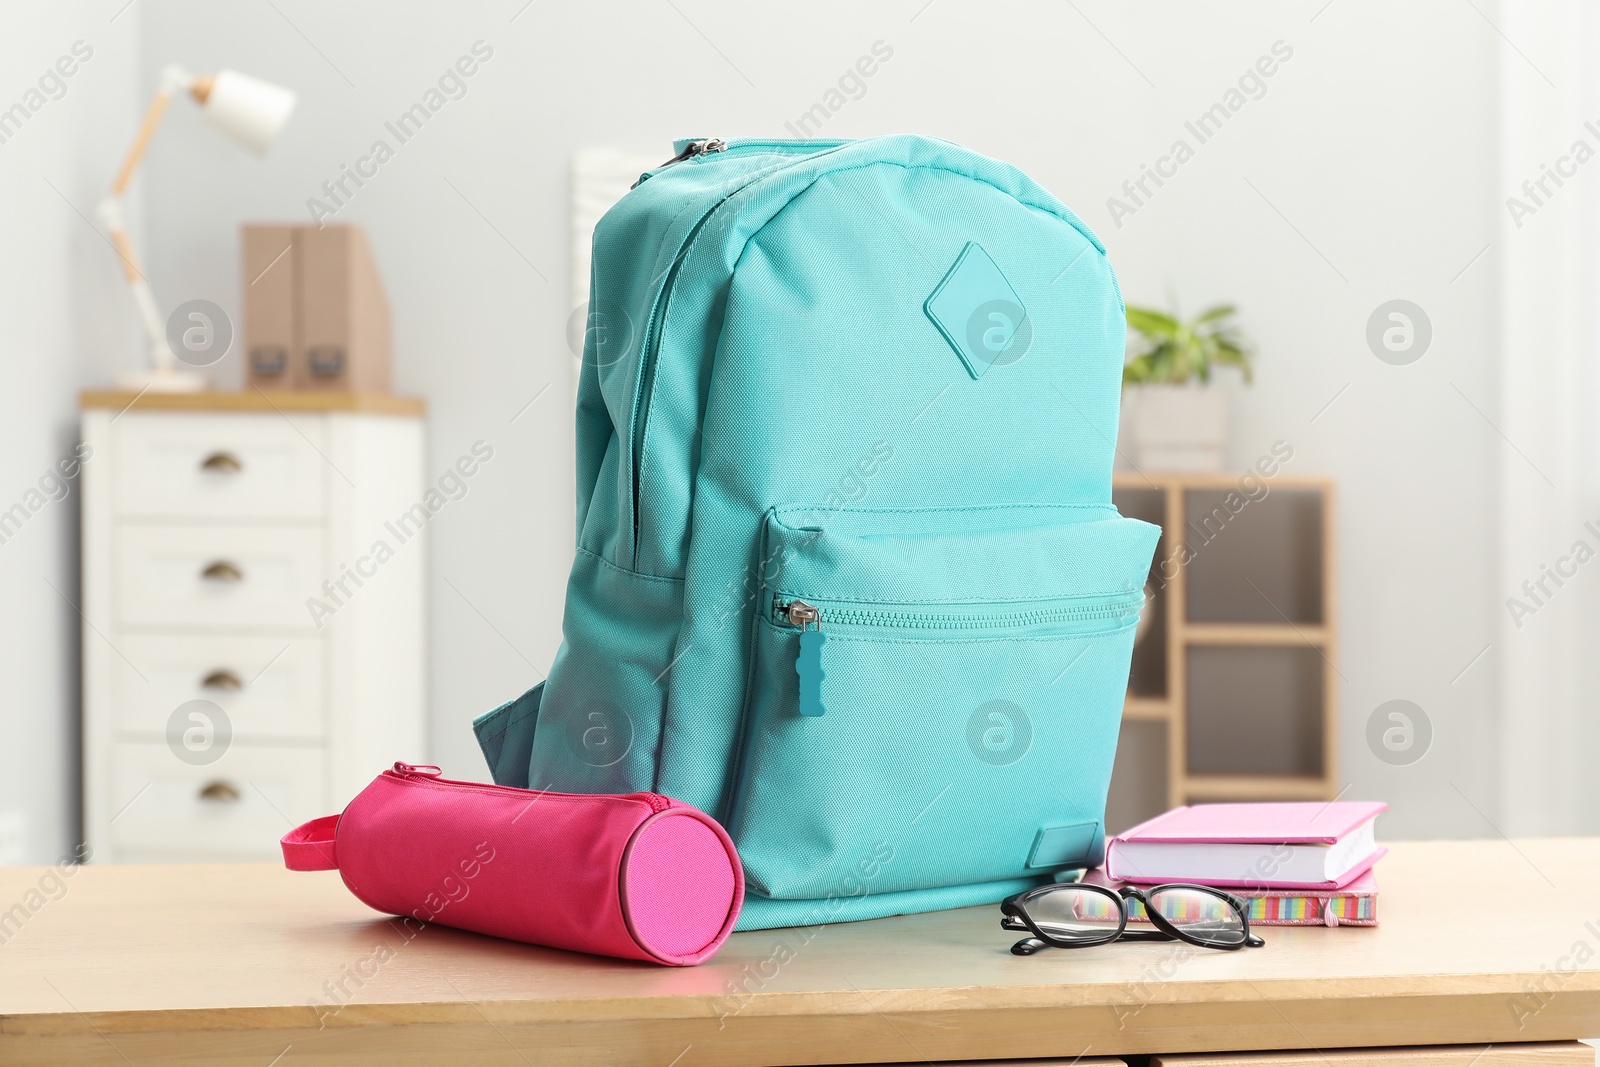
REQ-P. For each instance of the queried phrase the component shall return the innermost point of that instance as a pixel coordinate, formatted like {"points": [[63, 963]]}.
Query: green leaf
{"points": [[1137, 370], [1221, 311], [1168, 349], [1152, 323], [1237, 358]]}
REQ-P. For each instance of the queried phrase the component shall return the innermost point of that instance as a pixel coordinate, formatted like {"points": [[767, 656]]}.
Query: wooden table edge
{"points": [[1438, 1009]]}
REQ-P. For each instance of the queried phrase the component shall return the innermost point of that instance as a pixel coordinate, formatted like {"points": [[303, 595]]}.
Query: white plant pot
{"points": [[1177, 427]]}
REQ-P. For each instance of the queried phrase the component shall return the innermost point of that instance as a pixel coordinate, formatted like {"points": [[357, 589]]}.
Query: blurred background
{"points": [[1434, 153]]}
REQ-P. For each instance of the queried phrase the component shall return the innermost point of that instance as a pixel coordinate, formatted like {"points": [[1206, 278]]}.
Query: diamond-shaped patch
{"points": [[979, 313]]}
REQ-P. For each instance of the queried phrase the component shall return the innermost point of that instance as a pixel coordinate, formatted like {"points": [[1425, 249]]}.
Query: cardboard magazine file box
{"points": [[325, 284], [271, 279]]}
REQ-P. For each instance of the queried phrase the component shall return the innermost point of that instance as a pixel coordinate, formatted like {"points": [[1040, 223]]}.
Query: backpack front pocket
{"points": [[935, 695]]}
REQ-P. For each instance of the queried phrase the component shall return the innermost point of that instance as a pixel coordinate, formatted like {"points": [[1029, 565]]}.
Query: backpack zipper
{"points": [[429, 773], [697, 148], [692, 149], [807, 618], [799, 614], [808, 656], [712, 145], [651, 342]]}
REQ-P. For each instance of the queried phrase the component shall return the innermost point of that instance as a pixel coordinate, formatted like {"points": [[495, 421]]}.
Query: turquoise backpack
{"points": [[848, 576]]}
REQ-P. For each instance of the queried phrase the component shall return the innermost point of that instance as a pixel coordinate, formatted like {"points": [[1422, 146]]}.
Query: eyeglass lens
{"points": [[1201, 915], [1072, 913]]}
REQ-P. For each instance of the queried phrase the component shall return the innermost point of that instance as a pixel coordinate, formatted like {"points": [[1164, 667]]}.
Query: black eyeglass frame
{"points": [[1014, 916]]}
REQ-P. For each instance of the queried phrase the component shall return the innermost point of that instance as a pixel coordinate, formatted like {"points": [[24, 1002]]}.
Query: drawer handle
{"points": [[222, 571], [220, 792], [222, 463], [223, 679]]}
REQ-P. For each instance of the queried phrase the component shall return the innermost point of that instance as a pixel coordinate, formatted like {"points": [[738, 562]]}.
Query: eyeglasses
{"points": [[1069, 915]]}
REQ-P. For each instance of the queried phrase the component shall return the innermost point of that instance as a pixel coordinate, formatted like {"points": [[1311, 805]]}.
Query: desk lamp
{"points": [[250, 111]]}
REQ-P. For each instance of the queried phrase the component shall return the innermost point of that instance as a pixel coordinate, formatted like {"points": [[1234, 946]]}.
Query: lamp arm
{"points": [[141, 140], [173, 79], [149, 314]]}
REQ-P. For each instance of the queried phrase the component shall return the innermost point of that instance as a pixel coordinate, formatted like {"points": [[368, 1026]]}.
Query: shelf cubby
{"points": [[1231, 692], [1255, 710], [1254, 561], [1138, 782], [1147, 677]]}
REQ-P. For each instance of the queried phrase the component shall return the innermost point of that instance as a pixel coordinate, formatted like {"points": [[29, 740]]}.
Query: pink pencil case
{"points": [[638, 876]]}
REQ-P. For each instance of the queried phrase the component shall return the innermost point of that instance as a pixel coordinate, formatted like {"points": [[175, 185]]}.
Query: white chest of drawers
{"points": [[251, 656]]}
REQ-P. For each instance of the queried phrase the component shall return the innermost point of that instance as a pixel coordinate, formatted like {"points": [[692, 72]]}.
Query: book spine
{"points": [[1312, 909], [1296, 910]]}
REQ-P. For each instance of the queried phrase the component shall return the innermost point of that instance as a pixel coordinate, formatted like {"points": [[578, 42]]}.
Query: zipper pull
{"points": [[417, 770], [690, 150], [808, 663], [698, 148], [799, 613]]}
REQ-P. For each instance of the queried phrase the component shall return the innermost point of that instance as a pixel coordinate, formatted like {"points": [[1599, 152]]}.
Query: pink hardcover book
{"points": [[1290, 845]]}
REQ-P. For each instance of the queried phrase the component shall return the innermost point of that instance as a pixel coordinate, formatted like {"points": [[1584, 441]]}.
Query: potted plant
{"points": [[1175, 419]]}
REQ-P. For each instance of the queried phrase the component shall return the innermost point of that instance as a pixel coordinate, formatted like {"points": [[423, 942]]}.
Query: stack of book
{"points": [[1294, 864]]}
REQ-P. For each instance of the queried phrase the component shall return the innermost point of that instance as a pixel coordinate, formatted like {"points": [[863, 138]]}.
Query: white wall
{"points": [[65, 318], [1375, 142], [1550, 386]]}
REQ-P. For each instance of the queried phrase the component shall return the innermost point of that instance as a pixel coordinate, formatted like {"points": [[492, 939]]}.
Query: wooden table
{"points": [[240, 964]]}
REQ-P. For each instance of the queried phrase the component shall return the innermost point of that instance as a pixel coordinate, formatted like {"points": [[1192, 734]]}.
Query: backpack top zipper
{"points": [[651, 340], [698, 148], [690, 150], [708, 146]]}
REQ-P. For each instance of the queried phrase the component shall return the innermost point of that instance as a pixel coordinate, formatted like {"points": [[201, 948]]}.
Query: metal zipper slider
{"points": [[690, 150], [698, 148], [418, 770], [808, 660], [799, 613]]}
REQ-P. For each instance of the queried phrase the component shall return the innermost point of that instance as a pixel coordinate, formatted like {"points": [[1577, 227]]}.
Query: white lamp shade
{"points": [[247, 109]]}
